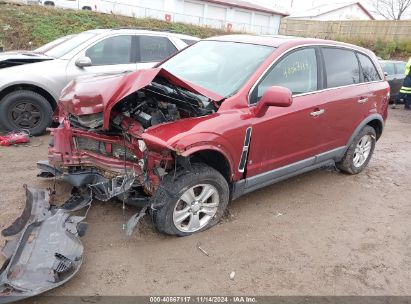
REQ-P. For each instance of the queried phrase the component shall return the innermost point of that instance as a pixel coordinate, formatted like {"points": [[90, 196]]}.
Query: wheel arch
{"points": [[378, 126], [375, 120], [29, 87], [215, 159]]}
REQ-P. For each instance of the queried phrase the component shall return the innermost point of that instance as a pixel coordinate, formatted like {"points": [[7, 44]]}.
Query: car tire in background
{"points": [[190, 200], [25, 110], [359, 153]]}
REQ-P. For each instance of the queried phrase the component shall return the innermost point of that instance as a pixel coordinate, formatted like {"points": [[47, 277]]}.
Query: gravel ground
{"points": [[322, 233]]}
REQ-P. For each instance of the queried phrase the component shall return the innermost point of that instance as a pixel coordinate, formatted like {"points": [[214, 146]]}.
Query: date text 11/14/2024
{"points": [[203, 299]]}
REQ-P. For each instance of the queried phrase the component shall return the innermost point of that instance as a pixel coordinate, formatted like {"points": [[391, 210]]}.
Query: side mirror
{"points": [[83, 62], [273, 97]]}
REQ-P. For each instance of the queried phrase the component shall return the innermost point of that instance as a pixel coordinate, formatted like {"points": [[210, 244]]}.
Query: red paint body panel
{"points": [[284, 135]]}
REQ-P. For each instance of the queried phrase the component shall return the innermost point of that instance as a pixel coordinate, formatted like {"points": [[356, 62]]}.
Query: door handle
{"points": [[362, 100], [317, 112]]}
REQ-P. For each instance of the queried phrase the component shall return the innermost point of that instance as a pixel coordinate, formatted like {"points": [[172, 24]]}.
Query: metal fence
{"points": [[386, 30], [113, 7]]}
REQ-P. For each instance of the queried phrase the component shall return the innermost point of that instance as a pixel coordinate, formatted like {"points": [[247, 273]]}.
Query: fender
{"points": [[193, 143], [372, 117], [189, 144], [211, 146]]}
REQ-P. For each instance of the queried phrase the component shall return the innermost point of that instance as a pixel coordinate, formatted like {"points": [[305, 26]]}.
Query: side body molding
{"points": [[328, 158]]}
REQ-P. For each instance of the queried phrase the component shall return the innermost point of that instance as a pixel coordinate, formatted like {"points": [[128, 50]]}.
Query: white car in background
{"points": [[72, 4], [31, 81]]}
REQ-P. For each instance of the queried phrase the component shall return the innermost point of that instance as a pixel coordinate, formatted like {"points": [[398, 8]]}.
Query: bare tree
{"points": [[391, 9]]}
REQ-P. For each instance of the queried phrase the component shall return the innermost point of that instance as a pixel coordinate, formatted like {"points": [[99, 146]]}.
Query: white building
{"points": [[235, 15], [335, 11]]}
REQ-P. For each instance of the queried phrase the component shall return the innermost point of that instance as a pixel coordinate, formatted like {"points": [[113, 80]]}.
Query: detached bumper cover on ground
{"points": [[45, 251]]}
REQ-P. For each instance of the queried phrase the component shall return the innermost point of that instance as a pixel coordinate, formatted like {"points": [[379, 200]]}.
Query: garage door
{"points": [[153, 4], [216, 16], [262, 24], [193, 12], [242, 21], [153, 8]]}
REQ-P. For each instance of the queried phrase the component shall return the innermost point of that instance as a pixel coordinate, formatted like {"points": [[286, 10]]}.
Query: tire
{"points": [[169, 200], [25, 110], [355, 159]]}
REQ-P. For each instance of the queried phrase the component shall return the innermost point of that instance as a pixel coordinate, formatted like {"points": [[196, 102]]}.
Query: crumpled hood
{"points": [[95, 94], [9, 59]]}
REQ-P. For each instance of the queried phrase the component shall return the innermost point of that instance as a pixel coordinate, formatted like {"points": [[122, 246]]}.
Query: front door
{"points": [[115, 54], [285, 136]]}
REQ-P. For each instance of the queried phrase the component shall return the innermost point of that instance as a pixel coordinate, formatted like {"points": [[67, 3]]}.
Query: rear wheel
{"points": [[25, 110], [190, 201], [359, 152]]}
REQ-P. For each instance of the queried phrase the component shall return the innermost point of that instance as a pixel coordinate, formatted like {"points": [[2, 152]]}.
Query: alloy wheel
{"points": [[196, 207], [362, 150]]}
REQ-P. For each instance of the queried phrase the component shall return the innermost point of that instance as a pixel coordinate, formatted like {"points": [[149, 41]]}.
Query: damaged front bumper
{"points": [[45, 250]]}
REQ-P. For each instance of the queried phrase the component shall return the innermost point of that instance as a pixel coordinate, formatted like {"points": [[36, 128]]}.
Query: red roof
{"points": [[246, 5]]}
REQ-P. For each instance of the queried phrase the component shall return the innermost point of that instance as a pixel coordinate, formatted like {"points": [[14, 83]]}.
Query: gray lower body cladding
{"points": [[45, 250]]}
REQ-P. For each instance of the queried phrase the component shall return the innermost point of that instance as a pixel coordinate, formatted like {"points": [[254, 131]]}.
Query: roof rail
{"points": [[149, 29]]}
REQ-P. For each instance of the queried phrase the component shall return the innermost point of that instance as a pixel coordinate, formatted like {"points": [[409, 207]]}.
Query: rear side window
{"points": [[188, 41], [113, 50], [341, 67], [400, 67], [369, 71], [155, 49], [388, 68], [296, 71]]}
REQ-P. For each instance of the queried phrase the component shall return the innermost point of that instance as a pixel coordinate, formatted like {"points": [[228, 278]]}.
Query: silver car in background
{"points": [[31, 82]]}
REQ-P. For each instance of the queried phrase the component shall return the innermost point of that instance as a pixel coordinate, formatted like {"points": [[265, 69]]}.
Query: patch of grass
{"points": [[384, 49], [26, 27]]}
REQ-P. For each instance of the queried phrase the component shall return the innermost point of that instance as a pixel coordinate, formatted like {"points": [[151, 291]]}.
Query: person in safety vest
{"points": [[405, 92]]}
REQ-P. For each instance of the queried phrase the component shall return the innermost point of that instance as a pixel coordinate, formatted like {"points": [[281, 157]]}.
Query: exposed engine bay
{"points": [[163, 102], [158, 103]]}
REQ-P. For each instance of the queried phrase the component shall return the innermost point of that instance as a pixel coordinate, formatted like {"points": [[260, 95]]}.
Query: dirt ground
{"points": [[322, 233]]}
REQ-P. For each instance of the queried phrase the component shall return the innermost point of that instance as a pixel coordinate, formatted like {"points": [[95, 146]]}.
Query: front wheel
{"points": [[190, 201], [359, 152], [25, 110]]}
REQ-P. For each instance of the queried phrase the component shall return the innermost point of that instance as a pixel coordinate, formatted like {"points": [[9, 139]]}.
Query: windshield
{"points": [[219, 66], [68, 45], [52, 44]]}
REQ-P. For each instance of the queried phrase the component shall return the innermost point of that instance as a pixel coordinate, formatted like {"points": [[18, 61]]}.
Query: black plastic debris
{"points": [[44, 250]]}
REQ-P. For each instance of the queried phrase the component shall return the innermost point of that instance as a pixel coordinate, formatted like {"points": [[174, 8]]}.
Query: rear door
{"points": [[398, 78], [347, 98], [389, 70]]}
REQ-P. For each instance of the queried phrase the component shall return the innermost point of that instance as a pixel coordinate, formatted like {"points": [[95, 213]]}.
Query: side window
{"points": [[154, 49], [188, 41], [113, 50], [388, 68], [341, 67], [400, 67], [368, 69], [296, 71]]}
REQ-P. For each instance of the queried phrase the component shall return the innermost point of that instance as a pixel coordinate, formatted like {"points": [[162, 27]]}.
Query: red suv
{"points": [[224, 117]]}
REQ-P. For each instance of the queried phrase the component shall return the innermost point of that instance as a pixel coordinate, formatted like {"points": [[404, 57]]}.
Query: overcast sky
{"points": [[299, 5]]}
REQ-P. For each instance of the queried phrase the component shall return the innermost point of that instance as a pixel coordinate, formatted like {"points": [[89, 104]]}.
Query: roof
{"points": [[286, 41], [247, 5], [274, 40], [161, 32], [327, 8]]}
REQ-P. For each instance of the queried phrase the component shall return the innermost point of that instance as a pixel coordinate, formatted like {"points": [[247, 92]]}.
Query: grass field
{"points": [[26, 26]]}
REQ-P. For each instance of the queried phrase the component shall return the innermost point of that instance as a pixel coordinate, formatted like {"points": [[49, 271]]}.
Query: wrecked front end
{"points": [[111, 132], [43, 249]]}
